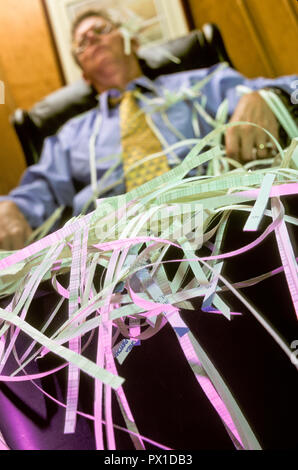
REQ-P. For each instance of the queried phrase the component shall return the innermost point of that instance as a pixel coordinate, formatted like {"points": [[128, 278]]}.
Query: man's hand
{"points": [[14, 229], [245, 142]]}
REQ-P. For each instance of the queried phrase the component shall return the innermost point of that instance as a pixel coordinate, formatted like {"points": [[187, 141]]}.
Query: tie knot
{"points": [[126, 96]]}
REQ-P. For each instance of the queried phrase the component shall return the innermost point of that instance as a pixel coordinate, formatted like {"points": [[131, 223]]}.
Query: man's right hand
{"points": [[14, 229]]}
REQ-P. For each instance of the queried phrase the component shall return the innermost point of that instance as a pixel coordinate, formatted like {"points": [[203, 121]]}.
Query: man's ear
{"points": [[135, 45], [86, 78]]}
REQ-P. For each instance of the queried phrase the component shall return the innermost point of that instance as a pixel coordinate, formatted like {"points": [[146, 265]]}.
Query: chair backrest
{"points": [[198, 49]]}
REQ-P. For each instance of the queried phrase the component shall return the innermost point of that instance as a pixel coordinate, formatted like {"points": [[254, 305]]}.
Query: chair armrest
{"points": [[30, 139]]}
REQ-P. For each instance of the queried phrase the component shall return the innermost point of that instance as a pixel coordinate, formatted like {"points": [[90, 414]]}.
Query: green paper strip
{"points": [[259, 207], [84, 364]]}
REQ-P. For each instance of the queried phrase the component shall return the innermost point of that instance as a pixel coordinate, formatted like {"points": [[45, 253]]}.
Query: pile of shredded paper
{"points": [[128, 237]]}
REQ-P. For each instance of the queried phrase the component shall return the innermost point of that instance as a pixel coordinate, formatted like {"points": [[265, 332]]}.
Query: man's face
{"points": [[100, 52]]}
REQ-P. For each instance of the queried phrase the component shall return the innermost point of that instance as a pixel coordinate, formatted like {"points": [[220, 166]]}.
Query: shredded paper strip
{"points": [[127, 238]]}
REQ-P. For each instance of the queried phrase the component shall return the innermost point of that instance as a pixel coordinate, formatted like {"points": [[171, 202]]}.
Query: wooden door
{"points": [[261, 36], [28, 71], [12, 163]]}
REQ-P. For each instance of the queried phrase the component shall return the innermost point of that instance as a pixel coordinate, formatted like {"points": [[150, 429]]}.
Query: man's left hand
{"points": [[245, 142]]}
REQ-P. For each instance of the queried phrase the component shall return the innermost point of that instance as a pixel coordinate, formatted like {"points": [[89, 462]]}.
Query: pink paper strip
{"points": [[279, 190], [75, 343], [286, 254], [207, 386]]}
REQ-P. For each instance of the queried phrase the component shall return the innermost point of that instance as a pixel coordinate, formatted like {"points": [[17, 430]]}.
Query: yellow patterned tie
{"points": [[138, 141]]}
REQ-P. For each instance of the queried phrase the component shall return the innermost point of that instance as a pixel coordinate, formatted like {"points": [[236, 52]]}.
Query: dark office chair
{"points": [[198, 49]]}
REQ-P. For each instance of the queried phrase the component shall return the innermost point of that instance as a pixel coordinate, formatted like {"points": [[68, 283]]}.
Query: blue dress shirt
{"points": [[62, 176]]}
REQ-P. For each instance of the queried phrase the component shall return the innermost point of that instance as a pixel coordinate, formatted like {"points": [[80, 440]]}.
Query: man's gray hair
{"points": [[86, 12]]}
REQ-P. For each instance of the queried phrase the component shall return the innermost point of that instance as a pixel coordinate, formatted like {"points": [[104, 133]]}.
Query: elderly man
{"points": [[62, 177]]}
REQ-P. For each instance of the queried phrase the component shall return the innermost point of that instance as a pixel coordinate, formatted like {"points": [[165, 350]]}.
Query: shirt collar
{"points": [[143, 83]]}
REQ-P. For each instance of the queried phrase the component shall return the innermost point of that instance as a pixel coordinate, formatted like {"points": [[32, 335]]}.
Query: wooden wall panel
{"points": [[278, 27], [27, 53], [12, 162], [29, 69], [261, 36]]}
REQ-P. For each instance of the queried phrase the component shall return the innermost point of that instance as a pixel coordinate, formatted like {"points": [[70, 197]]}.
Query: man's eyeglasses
{"points": [[97, 30]]}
